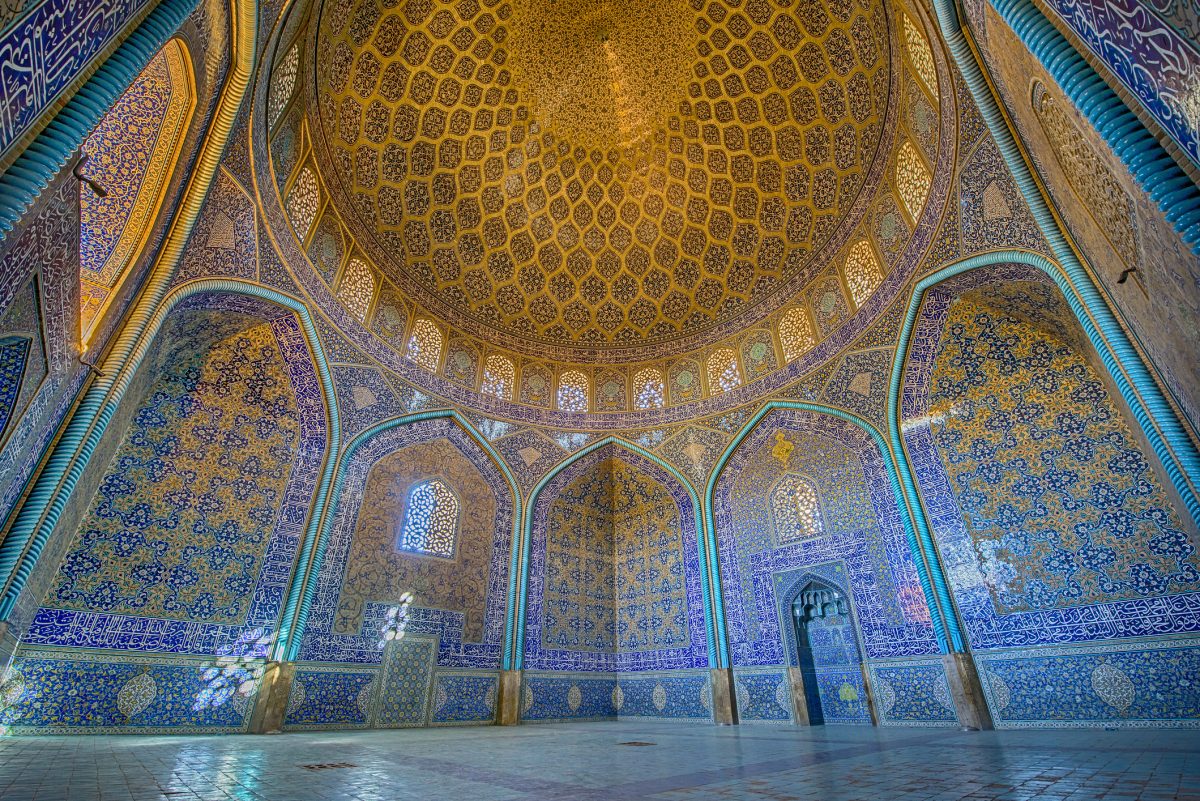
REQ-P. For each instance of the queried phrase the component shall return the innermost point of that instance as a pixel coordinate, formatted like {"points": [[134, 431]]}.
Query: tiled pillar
{"points": [[967, 692], [870, 694], [270, 705], [508, 698], [799, 701], [723, 710], [7, 649]]}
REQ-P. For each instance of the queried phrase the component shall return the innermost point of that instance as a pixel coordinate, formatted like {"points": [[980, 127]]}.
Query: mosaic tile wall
{"points": [[1085, 547], [862, 545], [614, 582], [460, 601], [44, 53], [1150, 47], [912, 691], [163, 608], [677, 695], [405, 689]]}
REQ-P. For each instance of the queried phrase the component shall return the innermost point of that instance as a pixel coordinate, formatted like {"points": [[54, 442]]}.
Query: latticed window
{"points": [[797, 509], [862, 271], [302, 202], [796, 333], [723, 374], [648, 389], [425, 345], [912, 179], [498, 377], [430, 520], [283, 83], [357, 288], [573, 391], [921, 55]]}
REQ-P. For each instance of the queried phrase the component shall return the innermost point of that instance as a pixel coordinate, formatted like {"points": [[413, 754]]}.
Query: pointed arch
{"points": [[705, 557], [929, 570], [304, 586], [1154, 414], [129, 160], [36, 520]]}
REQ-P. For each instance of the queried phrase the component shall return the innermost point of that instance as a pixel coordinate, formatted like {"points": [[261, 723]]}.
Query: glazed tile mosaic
{"points": [[460, 600], [640, 606], [562, 362]]}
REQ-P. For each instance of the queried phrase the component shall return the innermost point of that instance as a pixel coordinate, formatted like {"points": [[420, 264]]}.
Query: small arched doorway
{"points": [[828, 659]]}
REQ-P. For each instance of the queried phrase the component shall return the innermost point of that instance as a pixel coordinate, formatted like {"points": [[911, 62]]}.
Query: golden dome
{"points": [[598, 175]]}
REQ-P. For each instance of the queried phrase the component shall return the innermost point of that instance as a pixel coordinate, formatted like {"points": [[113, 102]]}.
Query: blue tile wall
{"points": [[1155, 58], [1131, 684], [465, 697], [330, 698], [46, 51], [762, 569], [321, 643], [1044, 631], [690, 651], [558, 696], [912, 692], [676, 695], [60, 692], [763, 696], [843, 696]]}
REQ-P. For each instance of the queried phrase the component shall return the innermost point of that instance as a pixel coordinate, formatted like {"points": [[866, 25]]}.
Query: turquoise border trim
{"points": [[51, 149], [1168, 435], [1177, 471], [1152, 166], [711, 596], [39, 515], [304, 586], [929, 569]]}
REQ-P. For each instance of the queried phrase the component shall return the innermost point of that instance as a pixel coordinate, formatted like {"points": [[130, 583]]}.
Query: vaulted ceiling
{"points": [[598, 174]]}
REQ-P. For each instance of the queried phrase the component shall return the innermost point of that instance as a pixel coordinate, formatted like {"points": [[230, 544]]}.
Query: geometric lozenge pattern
{"points": [[1061, 504], [181, 520]]}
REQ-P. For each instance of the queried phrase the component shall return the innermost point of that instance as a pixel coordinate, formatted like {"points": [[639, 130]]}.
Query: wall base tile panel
{"points": [[61, 691], [1137, 685], [912, 693]]}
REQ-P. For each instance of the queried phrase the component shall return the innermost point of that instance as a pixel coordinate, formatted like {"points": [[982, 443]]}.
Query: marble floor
{"points": [[597, 762]]}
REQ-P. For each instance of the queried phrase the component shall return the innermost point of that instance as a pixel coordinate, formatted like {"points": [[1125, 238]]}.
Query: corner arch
{"points": [[36, 520], [707, 559], [929, 570], [1167, 435]]}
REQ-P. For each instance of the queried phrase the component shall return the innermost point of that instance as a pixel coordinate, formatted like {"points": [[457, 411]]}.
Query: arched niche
{"points": [[460, 598], [614, 619], [451, 608], [184, 531], [862, 546], [637, 601], [1056, 529]]}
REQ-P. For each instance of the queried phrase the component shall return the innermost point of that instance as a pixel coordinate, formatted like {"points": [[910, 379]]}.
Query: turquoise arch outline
{"points": [[929, 569], [1167, 433], [35, 521], [1173, 447], [707, 557], [304, 584]]}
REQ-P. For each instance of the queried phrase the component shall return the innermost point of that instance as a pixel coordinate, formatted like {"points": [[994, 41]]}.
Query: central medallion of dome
{"points": [[603, 75], [603, 176]]}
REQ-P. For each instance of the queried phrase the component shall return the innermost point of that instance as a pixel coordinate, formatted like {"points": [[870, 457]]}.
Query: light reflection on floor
{"points": [[586, 762]]}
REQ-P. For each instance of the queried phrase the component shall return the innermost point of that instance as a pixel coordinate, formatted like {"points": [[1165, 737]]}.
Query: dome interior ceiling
{"points": [[598, 174]]}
